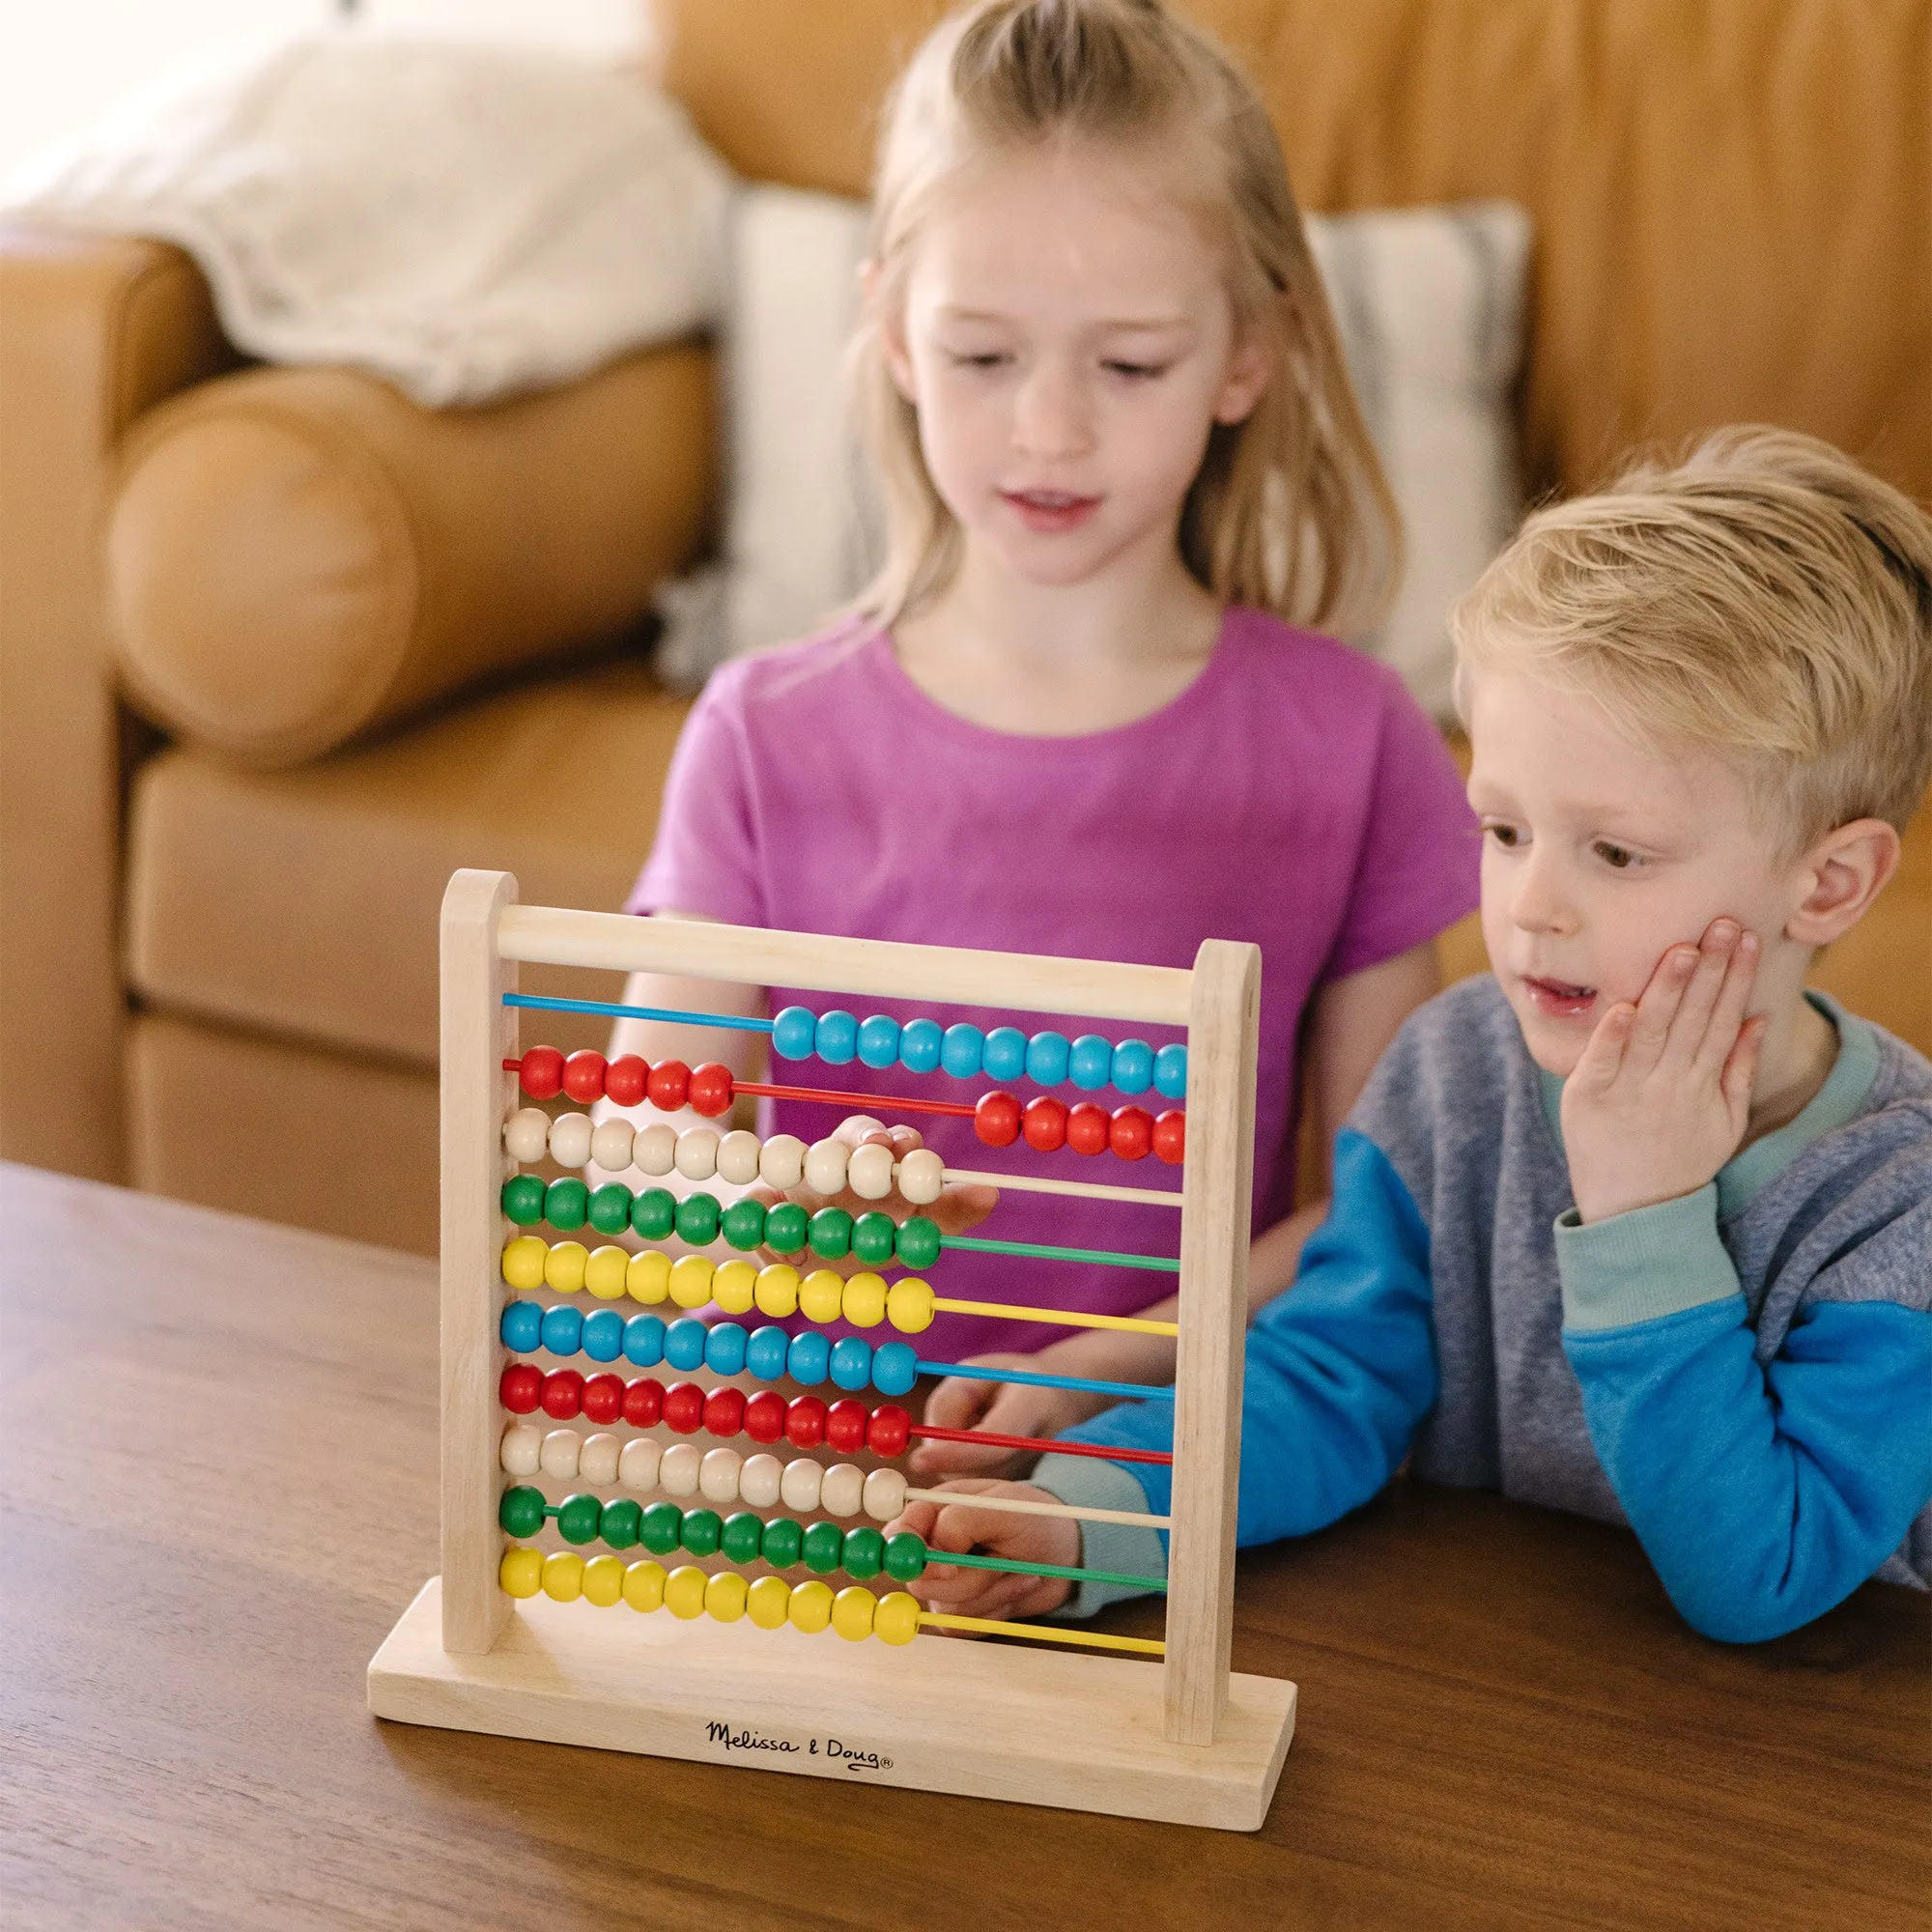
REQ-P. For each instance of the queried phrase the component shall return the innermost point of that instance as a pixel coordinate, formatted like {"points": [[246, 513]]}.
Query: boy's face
{"points": [[1600, 852]]}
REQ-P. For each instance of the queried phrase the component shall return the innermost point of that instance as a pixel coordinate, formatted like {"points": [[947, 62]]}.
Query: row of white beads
{"points": [[718, 1475]]}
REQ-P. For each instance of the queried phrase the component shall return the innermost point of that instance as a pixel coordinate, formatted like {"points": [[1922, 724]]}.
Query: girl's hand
{"points": [[991, 1593], [1004, 1408]]}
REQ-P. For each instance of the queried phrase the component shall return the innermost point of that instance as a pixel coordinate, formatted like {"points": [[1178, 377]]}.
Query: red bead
{"points": [[604, 1397], [644, 1401], [684, 1407], [624, 1079], [845, 1425], [725, 1412], [889, 1431], [765, 1416], [805, 1421], [1130, 1132], [521, 1388], [1169, 1136], [540, 1073], [996, 1118], [1087, 1128], [562, 1393], [711, 1090], [667, 1085], [584, 1076], [1044, 1123]]}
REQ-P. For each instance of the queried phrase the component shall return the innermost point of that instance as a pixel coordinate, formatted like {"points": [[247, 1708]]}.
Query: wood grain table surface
{"points": [[219, 1493]]}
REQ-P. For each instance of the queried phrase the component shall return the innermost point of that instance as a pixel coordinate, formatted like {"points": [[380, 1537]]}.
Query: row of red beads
{"points": [[1049, 1124], [629, 1080]]}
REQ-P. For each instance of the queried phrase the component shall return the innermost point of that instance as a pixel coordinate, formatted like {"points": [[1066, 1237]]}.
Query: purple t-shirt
{"points": [[1293, 795]]}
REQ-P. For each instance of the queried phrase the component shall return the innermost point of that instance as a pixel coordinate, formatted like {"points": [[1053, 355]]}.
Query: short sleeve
{"points": [[1416, 869]]}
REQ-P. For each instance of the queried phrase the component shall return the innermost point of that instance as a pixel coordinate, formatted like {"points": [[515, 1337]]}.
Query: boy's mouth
{"points": [[1049, 511], [1557, 1000]]}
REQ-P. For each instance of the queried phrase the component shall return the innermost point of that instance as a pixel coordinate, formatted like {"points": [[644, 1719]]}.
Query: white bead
{"points": [[678, 1469], [654, 1148], [718, 1475], [570, 1140], [638, 1465], [922, 1177], [560, 1453], [610, 1145], [824, 1166], [885, 1494], [698, 1154], [597, 1460], [869, 1173], [522, 1450], [782, 1161], [799, 1488], [738, 1158], [527, 1135], [842, 1493], [762, 1481]]}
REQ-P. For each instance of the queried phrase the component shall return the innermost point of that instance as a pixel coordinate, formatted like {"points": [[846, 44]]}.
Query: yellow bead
{"points": [[820, 1294], [778, 1291], [521, 1572], [647, 1279], [767, 1601], [864, 1303], [909, 1305], [852, 1613], [810, 1608], [563, 1575], [564, 1269], [604, 1580], [734, 1287], [684, 1591], [524, 1261], [644, 1585], [724, 1597], [896, 1619], [605, 1271], [691, 1281]]}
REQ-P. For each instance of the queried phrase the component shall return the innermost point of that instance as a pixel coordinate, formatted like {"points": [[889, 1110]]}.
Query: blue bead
{"points": [[851, 1362], [808, 1357], [894, 1367], [724, 1349], [562, 1330], [645, 1340], [1133, 1066], [879, 1040], [603, 1335], [1170, 1071], [960, 1050], [793, 1032], [521, 1326], [1046, 1058], [1090, 1063], [920, 1043], [765, 1353], [1004, 1058], [684, 1343], [836, 1038]]}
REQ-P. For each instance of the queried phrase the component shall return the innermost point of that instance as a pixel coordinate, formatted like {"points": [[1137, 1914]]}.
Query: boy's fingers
{"points": [[1740, 1073], [1603, 1052], [1656, 1004], [1727, 1012], [1692, 1021], [958, 1403], [967, 1458]]}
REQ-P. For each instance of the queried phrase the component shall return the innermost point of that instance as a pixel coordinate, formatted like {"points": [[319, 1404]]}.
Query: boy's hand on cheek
{"points": [[1661, 1096]]}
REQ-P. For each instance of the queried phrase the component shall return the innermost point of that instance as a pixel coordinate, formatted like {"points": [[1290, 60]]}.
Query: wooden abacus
{"points": [[495, 1644]]}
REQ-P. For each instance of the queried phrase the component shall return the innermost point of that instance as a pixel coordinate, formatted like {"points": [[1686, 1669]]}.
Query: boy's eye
{"points": [[1617, 856], [1505, 835]]}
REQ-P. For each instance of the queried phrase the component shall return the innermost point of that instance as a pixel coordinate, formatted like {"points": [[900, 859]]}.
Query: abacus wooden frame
{"points": [[1188, 1740]]}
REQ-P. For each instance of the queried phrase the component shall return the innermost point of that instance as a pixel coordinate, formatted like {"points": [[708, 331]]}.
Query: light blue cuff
{"points": [[1638, 1266], [1130, 1548]]}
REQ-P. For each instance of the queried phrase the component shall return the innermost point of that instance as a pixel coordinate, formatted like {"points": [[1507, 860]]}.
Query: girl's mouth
{"points": [[1049, 512], [1555, 1000]]}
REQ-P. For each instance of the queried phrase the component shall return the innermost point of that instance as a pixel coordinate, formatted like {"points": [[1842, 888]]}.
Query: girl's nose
{"points": [[1050, 413]]}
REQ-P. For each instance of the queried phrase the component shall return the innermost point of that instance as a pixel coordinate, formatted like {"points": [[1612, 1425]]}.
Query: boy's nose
{"points": [[1540, 905]]}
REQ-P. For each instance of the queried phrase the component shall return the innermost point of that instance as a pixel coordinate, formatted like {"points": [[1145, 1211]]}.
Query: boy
{"points": [[1637, 1227]]}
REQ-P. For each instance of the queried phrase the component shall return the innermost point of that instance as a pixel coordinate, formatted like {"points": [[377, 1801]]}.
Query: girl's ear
{"points": [[1842, 874], [891, 327], [1250, 370]]}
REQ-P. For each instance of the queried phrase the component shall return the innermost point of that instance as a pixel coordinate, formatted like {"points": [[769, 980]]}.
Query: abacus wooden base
{"points": [[1007, 1722]]}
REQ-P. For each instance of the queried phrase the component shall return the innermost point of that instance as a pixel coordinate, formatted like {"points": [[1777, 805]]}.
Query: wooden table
{"points": [[219, 1488]]}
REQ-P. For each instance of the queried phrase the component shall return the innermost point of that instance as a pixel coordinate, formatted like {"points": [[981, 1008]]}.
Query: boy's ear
{"points": [[1844, 872], [892, 331]]}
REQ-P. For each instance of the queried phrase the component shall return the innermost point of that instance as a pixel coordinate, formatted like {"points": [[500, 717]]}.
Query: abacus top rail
{"points": [[619, 942]]}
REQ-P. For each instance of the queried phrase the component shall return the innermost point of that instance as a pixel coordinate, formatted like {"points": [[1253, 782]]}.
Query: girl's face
{"points": [[1068, 341]]}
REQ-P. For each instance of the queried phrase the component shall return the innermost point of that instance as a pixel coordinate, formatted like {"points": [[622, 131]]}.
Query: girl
{"points": [[1077, 713]]}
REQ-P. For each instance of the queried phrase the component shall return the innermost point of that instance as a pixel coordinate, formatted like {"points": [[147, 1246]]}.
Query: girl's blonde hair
{"points": [[1289, 511]]}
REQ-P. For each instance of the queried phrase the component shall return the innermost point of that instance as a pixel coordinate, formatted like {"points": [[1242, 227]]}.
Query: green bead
{"points": [[744, 1224], [919, 1242], [611, 1209], [662, 1524], [521, 1511], [779, 1545], [622, 1523], [905, 1556], [786, 1227], [578, 1519], [740, 1537], [824, 1544], [872, 1238], [831, 1234], [524, 1199], [701, 1532], [698, 1220], [566, 1203], [654, 1213], [865, 1553]]}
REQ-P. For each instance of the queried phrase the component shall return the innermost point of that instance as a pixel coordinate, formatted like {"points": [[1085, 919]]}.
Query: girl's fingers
{"points": [[854, 1130], [1692, 1020], [958, 1208], [1727, 1011]]}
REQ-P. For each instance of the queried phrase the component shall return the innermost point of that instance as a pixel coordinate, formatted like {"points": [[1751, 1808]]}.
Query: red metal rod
{"points": [[1034, 1442], [836, 1097]]}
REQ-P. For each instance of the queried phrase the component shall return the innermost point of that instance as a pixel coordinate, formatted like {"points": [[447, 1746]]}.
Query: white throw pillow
{"points": [[1430, 304]]}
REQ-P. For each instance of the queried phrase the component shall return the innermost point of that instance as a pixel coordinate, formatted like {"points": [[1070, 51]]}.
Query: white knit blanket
{"points": [[465, 219]]}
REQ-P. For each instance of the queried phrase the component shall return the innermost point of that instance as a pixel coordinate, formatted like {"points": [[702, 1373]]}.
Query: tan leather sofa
{"points": [[278, 650]]}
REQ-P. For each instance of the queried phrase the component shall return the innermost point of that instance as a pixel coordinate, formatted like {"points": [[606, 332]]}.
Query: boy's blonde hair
{"points": [[1289, 511], [1764, 597]]}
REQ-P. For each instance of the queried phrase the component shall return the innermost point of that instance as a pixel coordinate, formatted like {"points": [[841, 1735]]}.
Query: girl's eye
{"points": [[1137, 371], [1617, 857], [985, 358]]}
